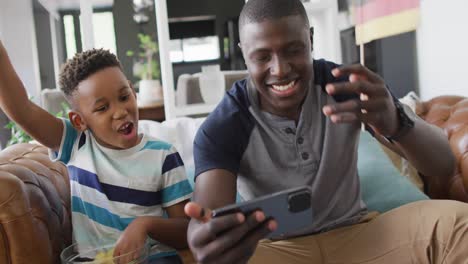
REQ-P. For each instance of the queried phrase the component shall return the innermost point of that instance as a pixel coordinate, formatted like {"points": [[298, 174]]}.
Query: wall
{"points": [[44, 45], [126, 31], [442, 44], [323, 16], [60, 42], [19, 38]]}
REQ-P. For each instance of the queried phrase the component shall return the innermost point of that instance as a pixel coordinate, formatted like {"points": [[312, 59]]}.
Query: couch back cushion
{"points": [[382, 186]]}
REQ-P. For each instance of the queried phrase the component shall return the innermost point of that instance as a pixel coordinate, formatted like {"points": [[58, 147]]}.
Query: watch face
{"points": [[406, 114]]}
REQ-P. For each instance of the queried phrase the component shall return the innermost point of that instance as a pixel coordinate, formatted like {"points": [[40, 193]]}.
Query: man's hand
{"points": [[375, 106], [131, 241], [226, 239]]}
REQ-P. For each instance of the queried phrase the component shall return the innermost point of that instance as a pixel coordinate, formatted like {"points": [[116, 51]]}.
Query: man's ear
{"points": [[77, 121]]}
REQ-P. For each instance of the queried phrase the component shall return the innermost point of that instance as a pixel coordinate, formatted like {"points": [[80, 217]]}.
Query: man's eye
{"points": [[295, 51], [261, 58]]}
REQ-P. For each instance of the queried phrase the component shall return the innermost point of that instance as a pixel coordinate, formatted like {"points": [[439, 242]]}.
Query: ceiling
{"points": [[56, 5]]}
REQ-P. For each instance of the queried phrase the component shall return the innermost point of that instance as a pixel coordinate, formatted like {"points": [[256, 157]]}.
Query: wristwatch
{"points": [[405, 122]]}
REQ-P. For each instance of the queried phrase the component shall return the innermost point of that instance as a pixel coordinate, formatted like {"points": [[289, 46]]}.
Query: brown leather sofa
{"points": [[35, 203], [34, 206], [451, 114]]}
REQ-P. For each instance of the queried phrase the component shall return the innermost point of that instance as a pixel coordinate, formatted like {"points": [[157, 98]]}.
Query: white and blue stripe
{"points": [[110, 188]]}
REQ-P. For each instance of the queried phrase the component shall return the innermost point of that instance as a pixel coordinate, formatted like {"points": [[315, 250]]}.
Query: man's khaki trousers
{"points": [[432, 231]]}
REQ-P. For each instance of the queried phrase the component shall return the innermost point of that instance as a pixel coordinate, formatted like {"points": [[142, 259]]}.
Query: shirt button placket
{"points": [[300, 140]]}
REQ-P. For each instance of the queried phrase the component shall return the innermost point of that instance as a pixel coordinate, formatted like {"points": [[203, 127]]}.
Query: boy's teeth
{"points": [[283, 87], [124, 126]]}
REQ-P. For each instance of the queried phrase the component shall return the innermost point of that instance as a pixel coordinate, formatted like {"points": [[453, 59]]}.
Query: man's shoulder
{"points": [[322, 72], [231, 120]]}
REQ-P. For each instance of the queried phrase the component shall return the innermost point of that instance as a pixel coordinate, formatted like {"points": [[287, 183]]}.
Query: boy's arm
{"points": [[171, 231], [42, 126]]}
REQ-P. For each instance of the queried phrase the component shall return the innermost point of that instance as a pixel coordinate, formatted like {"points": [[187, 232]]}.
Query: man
{"points": [[295, 121]]}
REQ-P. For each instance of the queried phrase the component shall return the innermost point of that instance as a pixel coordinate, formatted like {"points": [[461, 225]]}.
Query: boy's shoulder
{"points": [[154, 143]]}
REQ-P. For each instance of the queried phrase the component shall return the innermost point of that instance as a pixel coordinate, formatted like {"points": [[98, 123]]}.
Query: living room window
{"points": [[103, 27], [194, 49]]}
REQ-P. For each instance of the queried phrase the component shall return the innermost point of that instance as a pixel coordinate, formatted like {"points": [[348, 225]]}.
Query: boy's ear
{"points": [[77, 121]]}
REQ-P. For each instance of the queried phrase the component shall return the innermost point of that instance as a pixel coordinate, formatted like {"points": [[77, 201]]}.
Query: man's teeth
{"points": [[283, 87]]}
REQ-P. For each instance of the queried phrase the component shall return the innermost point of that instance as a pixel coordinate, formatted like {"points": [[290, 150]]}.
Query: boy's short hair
{"points": [[255, 11], [82, 65]]}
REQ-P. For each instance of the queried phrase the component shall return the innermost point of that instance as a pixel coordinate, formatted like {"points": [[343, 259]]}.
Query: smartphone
{"points": [[291, 209]]}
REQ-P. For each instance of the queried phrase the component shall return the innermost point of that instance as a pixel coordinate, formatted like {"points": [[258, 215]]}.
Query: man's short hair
{"points": [[255, 11], [82, 65]]}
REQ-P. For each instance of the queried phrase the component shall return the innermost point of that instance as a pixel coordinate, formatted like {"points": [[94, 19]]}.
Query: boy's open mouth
{"points": [[126, 128]]}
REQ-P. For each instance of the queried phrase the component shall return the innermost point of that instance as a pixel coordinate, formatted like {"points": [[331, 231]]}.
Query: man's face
{"points": [[107, 104], [278, 57]]}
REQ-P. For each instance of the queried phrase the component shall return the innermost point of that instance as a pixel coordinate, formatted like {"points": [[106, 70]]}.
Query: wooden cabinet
{"points": [[152, 112]]}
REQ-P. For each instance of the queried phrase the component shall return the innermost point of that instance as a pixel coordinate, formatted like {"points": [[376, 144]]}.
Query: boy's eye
{"points": [[101, 108], [124, 97]]}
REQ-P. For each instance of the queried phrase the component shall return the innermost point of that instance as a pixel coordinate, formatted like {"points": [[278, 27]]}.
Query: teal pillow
{"points": [[383, 187]]}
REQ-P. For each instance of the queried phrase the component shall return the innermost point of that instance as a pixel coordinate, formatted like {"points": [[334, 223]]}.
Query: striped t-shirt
{"points": [[110, 188]]}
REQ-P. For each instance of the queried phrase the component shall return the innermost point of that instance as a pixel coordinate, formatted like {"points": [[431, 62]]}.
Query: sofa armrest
{"points": [[34, 206], [451, 114]]}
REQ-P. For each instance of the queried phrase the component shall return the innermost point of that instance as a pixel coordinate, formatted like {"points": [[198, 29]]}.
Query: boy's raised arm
{"points": [[14, 101]]}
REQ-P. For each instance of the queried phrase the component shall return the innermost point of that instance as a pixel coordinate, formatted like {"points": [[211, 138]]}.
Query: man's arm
{"points": [[424, 146], [227, 239], [215, 188], [14, 101]]}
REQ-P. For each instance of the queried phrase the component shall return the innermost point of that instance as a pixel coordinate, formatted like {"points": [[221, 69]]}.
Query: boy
{"points": [[121, 180]]}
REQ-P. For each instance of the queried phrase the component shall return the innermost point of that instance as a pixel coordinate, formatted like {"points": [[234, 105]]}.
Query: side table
{"points": [[153, 112]]}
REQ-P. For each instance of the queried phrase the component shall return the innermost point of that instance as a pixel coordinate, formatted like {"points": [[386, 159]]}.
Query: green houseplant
{"points": [[18, 135], [146, 69]]}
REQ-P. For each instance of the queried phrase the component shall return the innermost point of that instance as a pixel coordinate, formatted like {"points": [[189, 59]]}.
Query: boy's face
{"points": [[278, 57], [106, 104]]}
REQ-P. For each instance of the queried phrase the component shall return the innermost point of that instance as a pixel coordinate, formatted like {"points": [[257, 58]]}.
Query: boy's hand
{"points": [[133, 238]]}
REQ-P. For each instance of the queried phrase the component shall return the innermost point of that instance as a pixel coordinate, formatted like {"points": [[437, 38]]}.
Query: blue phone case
{"points": [[280, 207]]}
